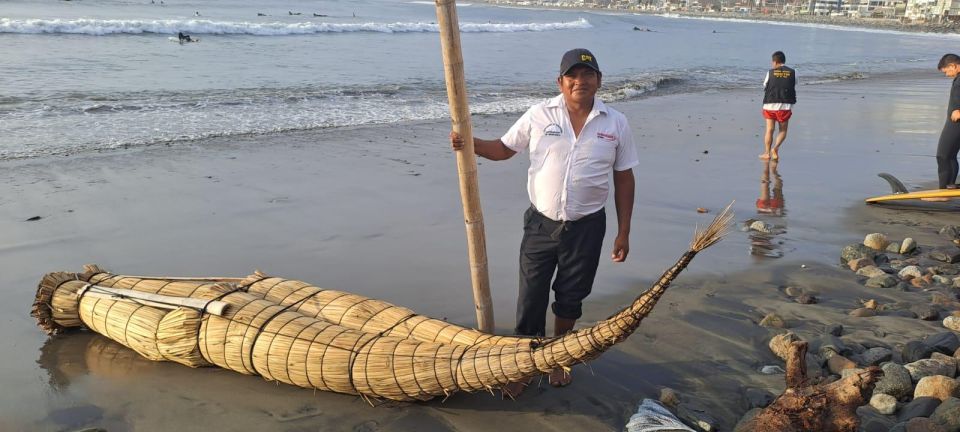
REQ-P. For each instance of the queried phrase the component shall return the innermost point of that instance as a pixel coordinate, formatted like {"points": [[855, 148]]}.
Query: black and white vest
{"points": [[781, 86]]}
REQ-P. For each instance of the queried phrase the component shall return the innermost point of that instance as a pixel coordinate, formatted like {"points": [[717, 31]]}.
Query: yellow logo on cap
{"points": [[586, 58]]}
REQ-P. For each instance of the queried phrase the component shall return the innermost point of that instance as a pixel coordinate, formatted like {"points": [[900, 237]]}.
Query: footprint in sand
{"points": [[303, 412]]}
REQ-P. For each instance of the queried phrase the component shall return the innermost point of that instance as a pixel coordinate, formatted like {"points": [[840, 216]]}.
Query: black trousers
{"points": [[569, 249], [947, 149]]}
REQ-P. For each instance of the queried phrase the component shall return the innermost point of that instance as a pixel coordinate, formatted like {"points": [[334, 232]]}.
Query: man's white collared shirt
{"points": [[569, 176]]}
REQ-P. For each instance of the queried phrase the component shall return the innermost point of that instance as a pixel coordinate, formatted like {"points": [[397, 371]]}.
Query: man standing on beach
{"points": [[779, 95], [949, 145], [575, 141]]}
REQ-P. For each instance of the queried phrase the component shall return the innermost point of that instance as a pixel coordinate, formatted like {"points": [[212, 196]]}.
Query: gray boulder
{"points": [[929, 367], [919, 407], [947, 270], [697, 416], [910, 272], [950, 360], [834, 329], [947, 415], [854, 251], [885, 281], [942, 280], [922, 424], [876, 356], [951, 231], [944, 342], [755, 398], [915, 350], [945, 255], [903, 313], [872, 421], [883, 261], [926, 312], [870, 271], [826, 343], [895, 381], [893, 247]]}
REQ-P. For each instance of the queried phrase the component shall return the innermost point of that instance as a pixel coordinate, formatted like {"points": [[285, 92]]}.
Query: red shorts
{"points": [[772, 206], [779, 115]]}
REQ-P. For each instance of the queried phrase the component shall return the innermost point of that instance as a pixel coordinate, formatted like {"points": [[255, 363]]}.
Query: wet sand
{"points": [[376, 211]]}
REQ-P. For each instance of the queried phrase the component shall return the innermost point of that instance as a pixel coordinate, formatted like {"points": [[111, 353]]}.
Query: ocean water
{"points": [[88, 75]]}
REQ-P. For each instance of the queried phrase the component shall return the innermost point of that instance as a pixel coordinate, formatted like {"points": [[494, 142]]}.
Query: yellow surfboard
{"points": [[900, 192], [932, 193]]}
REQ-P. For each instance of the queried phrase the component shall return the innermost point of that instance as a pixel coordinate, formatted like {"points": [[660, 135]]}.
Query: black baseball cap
{"points": [[578, 56]]}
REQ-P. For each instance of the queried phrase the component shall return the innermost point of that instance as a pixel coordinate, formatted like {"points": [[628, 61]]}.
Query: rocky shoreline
{"points": [[918, 387]]}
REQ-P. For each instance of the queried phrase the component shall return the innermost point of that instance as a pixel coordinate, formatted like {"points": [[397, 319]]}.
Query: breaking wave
{"points": [[100, 27], [640, 87], [834, 78]]}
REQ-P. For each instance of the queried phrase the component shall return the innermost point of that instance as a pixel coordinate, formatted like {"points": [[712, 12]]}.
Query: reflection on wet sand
{"points": [[771, 212], [77, 355], [70, 360]]}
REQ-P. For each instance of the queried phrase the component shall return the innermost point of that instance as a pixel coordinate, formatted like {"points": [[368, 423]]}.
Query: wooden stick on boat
{"points": [[214, 307], [466, 161]]}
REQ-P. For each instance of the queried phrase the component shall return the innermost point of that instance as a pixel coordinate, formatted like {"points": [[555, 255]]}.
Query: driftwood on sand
{"points": [[808, 406], [293, 332]]}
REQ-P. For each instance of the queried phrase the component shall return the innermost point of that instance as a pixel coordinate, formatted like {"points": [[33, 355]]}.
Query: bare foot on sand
{"points": [[764, 156], [774, 157], [514, 389], [560, 378]]}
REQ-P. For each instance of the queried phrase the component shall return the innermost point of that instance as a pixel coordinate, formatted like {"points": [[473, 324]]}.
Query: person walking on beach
{"points": [[779, 95], [575, 142], [949, 145]]}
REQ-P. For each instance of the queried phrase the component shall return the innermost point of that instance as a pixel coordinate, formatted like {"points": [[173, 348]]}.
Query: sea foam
{"points": [[100, 27]]}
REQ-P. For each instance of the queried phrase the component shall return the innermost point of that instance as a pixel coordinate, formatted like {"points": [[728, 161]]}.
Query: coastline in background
{"points": [[98, 75], [889, 18]]}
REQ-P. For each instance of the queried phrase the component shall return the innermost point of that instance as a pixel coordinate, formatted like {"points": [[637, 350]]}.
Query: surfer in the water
{"points": [[949, 145], [184, 38]]}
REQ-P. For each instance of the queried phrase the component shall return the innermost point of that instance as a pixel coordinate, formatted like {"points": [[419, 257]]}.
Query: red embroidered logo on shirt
{"points": [[606, 136]]}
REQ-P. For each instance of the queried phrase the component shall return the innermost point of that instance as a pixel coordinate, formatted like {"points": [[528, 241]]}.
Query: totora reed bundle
{"points": [[293, 332]]}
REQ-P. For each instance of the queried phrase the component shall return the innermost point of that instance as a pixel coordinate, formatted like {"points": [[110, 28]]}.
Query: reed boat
{"points": [[293, 332]]}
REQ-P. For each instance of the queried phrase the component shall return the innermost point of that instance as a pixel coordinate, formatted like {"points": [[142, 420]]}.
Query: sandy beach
{"points": [[376, 211]]}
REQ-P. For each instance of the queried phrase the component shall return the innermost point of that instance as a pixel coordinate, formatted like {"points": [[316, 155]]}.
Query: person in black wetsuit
{"points": [[184, 38], [949, 146]]}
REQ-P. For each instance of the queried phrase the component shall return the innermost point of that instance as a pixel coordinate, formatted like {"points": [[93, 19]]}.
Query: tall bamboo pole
{"points": [[466, 161]]}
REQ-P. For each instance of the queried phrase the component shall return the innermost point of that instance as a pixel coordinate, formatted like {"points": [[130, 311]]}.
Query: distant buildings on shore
{"points": [[923, 11]]}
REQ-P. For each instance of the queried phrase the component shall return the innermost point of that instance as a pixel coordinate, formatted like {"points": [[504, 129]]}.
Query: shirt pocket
{"points": [[600, 153]]}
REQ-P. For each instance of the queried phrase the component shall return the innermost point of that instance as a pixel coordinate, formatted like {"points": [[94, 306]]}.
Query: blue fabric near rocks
{"points": [[653, 417]]}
